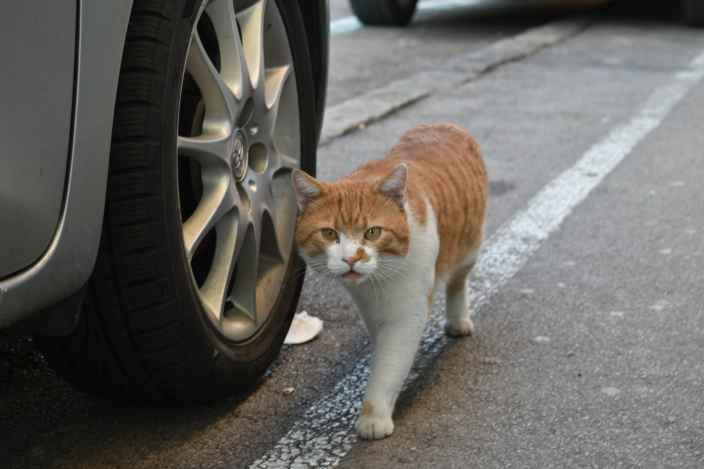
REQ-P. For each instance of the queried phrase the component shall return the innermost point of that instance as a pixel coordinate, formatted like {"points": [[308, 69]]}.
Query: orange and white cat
{"points": [[393, 232]]}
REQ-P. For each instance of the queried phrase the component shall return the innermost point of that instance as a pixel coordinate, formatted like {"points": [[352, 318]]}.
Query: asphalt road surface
{"points": [[589, 349]]}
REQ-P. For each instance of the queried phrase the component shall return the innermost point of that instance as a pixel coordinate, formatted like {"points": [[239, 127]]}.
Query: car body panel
{"points": [[69, 259], [35, 123]]}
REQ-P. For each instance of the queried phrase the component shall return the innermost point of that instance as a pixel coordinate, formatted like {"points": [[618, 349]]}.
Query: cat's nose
{"points": [[350, 260]]}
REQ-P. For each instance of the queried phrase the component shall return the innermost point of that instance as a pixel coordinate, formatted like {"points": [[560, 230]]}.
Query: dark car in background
{"points": [[146, 211], [400, 12]]}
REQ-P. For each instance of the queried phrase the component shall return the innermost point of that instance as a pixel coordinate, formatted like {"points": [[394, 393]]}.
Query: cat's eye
{"points": [[372, 233], [329, 234]]}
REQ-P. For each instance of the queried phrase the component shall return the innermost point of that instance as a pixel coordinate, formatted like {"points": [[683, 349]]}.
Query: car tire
{"points": [[693, 12], [384, 12], [143, 332]]}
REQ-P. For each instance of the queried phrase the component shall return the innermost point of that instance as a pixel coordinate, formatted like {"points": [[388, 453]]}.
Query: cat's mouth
{"points": [[351, 275]]}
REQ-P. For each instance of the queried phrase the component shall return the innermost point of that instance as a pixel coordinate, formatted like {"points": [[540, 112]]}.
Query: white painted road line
{"points": [[349, 24], [442, 5], [324, 434]]}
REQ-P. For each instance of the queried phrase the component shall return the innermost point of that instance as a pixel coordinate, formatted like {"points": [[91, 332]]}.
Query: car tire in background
{"points": [[384, 12], [197, 279], [693, 12]]}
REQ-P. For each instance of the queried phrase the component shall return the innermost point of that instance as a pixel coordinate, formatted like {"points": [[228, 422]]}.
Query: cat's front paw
{"points": [[372, 426], [460, 328]]}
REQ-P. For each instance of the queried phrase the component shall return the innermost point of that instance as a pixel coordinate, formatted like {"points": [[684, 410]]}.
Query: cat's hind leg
{"points": [[459, 321]]}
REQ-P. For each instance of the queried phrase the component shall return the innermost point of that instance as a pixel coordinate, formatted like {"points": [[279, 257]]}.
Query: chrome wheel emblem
{"points": [[238, 158]]}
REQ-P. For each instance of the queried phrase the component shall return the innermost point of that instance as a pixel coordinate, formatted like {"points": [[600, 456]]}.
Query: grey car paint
{"points": [[68, 261], [37, 95]]}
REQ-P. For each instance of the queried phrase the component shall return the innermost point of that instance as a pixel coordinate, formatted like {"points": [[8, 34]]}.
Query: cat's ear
{"points": [[306, 187], [393, 186]]}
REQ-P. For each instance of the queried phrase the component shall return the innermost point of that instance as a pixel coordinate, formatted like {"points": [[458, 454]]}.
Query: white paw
{"points": [[460, 328], [374, 427]]}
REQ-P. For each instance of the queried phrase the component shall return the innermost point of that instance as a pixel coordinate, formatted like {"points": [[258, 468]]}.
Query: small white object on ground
{"points": [[611, 391], [304, 328]]}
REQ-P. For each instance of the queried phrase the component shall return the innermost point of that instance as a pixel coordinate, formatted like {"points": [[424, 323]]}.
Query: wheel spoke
{"points": [[244, 290], [214, 290], [217, 200], [220, 106], [208, 151], [287, 161], [282, 163], [272, 263], [274, 84], [273, 241], [232, 58], [251, 21], [282, 207]]}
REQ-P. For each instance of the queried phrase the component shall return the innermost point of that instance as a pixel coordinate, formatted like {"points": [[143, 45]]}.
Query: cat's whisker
{"points": [[378, 289], [391, 271], [373, 287]]}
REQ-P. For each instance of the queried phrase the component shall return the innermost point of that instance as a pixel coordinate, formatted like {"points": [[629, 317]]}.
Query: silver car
{"points": [[146, 211]]}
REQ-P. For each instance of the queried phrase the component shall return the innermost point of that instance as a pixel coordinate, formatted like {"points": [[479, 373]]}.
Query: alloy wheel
{"points": [[239, 139]]}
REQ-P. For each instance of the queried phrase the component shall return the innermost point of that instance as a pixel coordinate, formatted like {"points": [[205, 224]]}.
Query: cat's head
{"points": [[354, 230]]}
